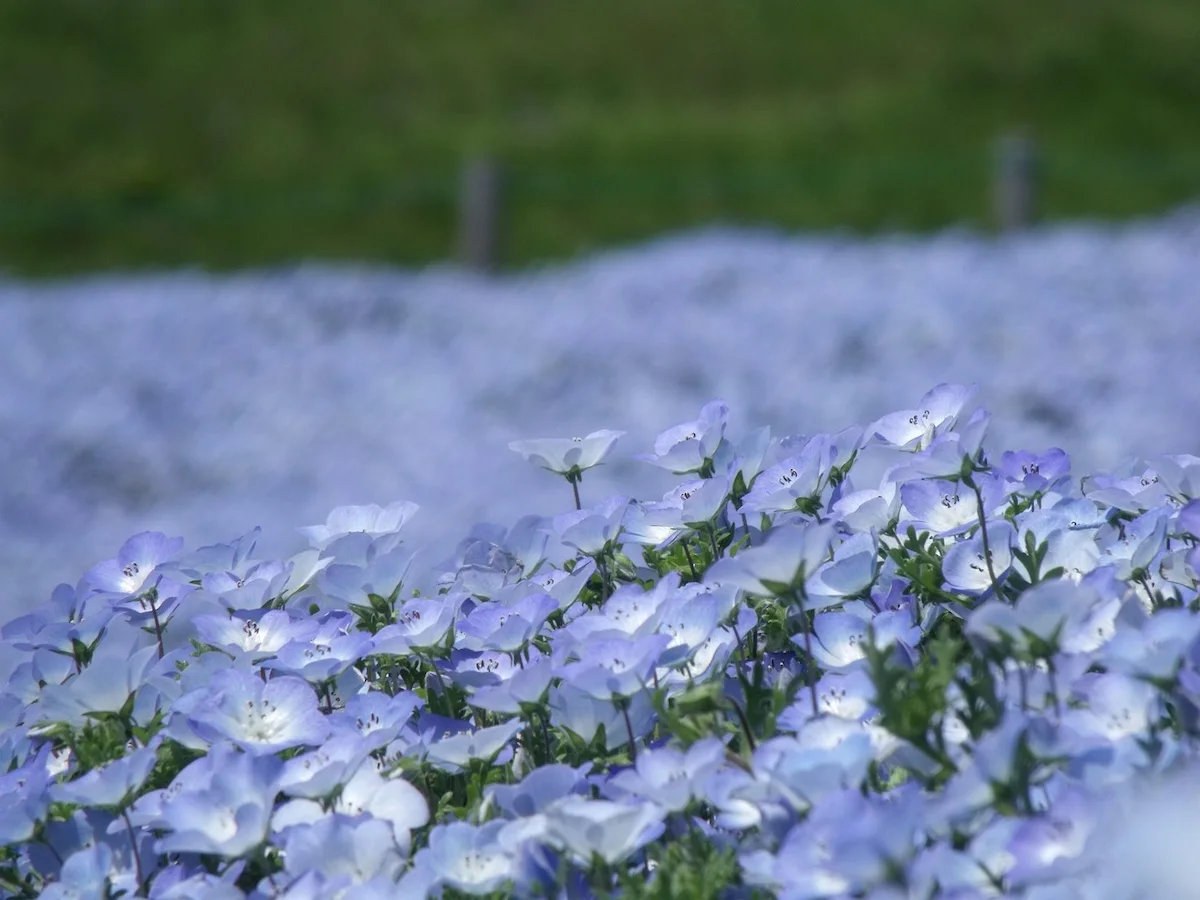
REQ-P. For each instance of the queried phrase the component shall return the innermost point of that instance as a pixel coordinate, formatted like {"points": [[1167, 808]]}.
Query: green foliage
{"points": [[692, 868], [141, 132]]}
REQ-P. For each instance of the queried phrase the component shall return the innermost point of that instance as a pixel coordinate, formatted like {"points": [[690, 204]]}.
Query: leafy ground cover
{"points": [[881, 663], [229, 133]]}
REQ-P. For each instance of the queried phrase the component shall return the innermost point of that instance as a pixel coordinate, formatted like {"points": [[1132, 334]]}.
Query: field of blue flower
{"points": [[203, 405], [882, 662]]}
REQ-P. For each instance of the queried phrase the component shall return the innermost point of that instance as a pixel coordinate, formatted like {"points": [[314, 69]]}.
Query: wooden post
{"points": [[1015, 178], [479, 214]]}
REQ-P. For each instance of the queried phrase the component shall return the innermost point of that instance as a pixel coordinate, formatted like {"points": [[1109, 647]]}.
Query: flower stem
{"points": [[691, 562], [987, 550], [137, 860], [810, 663]]}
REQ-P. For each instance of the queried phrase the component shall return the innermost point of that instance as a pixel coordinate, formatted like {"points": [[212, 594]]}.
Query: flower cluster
{"points": [[877, 663]]}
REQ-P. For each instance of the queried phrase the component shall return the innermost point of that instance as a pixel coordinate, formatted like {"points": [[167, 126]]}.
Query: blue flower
{"points": [[691, 446], [128, 572], [780, 565], [261, 717], [604, 828], [231, 814], [468, 858]]}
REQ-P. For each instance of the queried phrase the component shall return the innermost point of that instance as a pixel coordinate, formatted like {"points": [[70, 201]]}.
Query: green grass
{"points": [[235, 132]]}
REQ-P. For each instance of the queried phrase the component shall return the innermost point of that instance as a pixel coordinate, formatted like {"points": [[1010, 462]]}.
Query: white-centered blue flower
{"points": [[261, 717], [371, 520], [468, 858], [231, 814], [605, 828], [779, 566], [85, 875], [336, 847], [913, 429], [568, 456], [128, 572], [688, 447]]}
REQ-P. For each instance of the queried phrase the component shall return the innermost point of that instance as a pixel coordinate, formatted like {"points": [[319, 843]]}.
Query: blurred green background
{"points": [[227, 133]]}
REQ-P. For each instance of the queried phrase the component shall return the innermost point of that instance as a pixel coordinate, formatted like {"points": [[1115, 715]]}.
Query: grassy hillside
{"points": [[231, 132]]}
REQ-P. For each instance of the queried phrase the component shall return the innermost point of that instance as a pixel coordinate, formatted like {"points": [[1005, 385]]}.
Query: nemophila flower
{"points": [[367, 792], [689, 619], [944, 508], [631, 611], [468, 858], [526, 685], [381, 525], [965, 566], [337, 847], [261, 717], [178, 882], [255, 635], [582, 713], [593, 531], [1187, 520], [569, 457], [153, 608], [691, 446], [251, 588], [945, 455], [1133, 545], [744, 459], [135, 562], [64, 618], [231, 556], [1073, 552], [700, 502], [113, 784], [614, 668], [842, 638], [333, 649], [538, 789], [479, 668], [709, 656], [610, 830], [1136, 491], [84, 875], [421, 624], [1051, 845], [1036, 623], [229, 816], [1034, 471], [827, 756], [319, 773], [668, 777], [657, 525], [1119, 711], [455, 753], [1146, 646], [913, 429], [867, 510], [779, 566], [853, 569], [509, 627], [24, 800], [847, 695], [352, 584], [116, 673], [376, 717], [560, 584], [785, 485]]}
